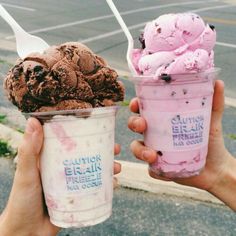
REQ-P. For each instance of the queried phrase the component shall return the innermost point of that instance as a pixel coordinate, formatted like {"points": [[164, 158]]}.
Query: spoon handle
{"points": [[127, 34], [9, 19], [120, 20]]}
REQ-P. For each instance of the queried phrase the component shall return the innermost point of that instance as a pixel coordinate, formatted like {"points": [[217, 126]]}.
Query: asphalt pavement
{"points": [[135, 212]]}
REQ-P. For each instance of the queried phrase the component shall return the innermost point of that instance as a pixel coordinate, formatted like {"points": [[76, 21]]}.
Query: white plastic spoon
{"points": [[25, 42], [127, 33]]}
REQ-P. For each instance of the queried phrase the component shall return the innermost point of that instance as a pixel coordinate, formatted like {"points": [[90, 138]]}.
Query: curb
{"points": [[133, 175], [231, 102], [10, 135]]}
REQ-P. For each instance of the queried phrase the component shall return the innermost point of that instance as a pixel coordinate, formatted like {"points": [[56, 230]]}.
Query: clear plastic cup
{"points": [[177, 110], [77, 165]]}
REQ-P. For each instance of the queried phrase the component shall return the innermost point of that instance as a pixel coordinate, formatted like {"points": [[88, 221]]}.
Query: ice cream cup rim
{"points": [[191, 77], [82, 112]]}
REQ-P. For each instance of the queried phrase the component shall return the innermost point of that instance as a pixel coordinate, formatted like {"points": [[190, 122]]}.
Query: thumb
{"points": [[31, 145], [217, 108]]}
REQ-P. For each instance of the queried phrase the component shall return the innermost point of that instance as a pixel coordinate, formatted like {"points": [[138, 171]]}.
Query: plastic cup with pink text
{"points": [[177, 109], [76, 165]]}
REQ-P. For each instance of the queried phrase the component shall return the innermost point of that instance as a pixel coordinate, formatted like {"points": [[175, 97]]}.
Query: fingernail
{"points": [[135, 124], [29, 127], [146, 155]]}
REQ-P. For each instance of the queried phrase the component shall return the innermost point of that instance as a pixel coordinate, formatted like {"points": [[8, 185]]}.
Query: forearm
{"points": [[8, 227], [9, 230], [4, 231], [2, 228], [225, 188]]}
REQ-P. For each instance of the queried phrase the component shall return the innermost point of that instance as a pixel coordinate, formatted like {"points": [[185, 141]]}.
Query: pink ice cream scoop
{"points": [[175, 43], [188, 62]]}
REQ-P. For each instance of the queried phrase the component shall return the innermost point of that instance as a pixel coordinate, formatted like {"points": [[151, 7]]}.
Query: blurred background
{"points": [[92, 23]]}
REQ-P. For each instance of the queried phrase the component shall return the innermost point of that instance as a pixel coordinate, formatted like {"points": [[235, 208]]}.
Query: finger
{"points": [[137, 124], [117, 168], [217, 109], [30, 146], [117, 149], [142, 152], [133, 105], [218, 99]]}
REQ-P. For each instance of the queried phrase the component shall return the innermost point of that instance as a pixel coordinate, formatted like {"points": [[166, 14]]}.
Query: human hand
{"points": [[26, 213], [218, 159]]}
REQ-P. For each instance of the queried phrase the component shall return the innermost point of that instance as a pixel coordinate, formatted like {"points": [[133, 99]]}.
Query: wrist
{"points": [[7, 228], [225, 185], [4, 228]]}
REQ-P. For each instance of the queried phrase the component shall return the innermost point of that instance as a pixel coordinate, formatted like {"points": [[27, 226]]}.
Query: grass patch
{"points": [[125, 103], [126, 77], [4, 62], [231, 136], [5, 149], [3, 118], [20, 130]]}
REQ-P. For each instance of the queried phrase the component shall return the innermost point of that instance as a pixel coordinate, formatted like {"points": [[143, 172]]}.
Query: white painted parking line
{"points": [[229, 45], [212, 8], [46, 29], [17, 6], [101, 36], [166, 6], [112, 33], [66, 25], [115, 32], [230, 102]]}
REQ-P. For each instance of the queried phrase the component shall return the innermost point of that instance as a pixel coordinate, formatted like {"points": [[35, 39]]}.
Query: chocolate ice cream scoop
{"points": [[68, 76]]}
